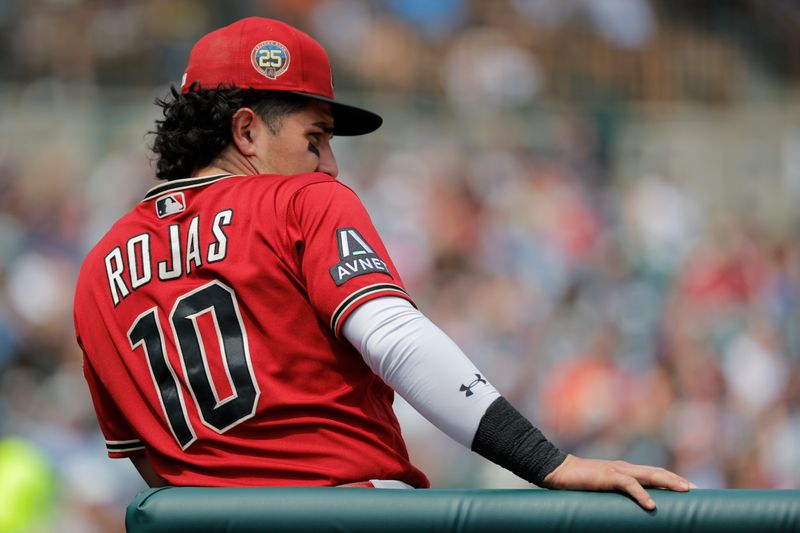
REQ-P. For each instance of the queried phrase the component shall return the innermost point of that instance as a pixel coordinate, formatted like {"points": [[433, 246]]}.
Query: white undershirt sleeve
{"points": [[422, 364]]}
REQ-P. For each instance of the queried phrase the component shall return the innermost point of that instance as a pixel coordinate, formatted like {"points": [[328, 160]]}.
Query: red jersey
{"points": [[209, 318]]}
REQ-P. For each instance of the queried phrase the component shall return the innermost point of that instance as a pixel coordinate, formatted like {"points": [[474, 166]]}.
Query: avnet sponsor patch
{"points": [[356, 257]]}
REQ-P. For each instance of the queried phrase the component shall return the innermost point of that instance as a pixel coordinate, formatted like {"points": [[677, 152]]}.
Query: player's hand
{"points": [[576, 473]]}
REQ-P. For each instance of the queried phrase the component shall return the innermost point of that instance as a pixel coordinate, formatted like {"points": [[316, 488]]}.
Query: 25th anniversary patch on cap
{"points": [[270, 58]]}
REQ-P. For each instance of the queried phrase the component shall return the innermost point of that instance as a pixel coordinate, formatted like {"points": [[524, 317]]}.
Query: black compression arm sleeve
{"points": [[507, 438]]}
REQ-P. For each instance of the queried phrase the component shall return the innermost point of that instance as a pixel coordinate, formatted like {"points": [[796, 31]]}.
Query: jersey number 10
{"points": [[215, 413]]}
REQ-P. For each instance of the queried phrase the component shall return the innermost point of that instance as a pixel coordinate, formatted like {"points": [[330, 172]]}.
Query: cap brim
{"points": [[349, 120]]}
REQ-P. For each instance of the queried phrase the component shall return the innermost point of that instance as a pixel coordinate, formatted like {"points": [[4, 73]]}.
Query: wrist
{"points": [[551, 480], [508, 439]]}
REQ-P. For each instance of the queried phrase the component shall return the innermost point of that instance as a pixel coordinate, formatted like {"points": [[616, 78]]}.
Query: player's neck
{"points": [[228, 163], [212, 170]]}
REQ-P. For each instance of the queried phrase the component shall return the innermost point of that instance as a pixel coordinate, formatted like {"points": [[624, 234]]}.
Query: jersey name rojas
{"points": [[133, 265]]}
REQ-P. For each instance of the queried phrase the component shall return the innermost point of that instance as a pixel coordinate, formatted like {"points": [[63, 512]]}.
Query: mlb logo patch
{"points": [[170, 204]]}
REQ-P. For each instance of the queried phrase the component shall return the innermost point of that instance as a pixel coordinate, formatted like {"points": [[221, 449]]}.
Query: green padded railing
{"points": [[296, 510]]}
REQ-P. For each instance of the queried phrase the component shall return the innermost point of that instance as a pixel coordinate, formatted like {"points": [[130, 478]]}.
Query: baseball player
{"points": [[244, 325]]}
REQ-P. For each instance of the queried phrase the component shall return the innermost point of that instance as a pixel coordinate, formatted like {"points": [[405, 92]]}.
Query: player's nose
{"points": [[327, 163]]}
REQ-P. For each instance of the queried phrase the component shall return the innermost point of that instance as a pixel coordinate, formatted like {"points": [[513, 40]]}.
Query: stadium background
{"points": [[595, 199]]}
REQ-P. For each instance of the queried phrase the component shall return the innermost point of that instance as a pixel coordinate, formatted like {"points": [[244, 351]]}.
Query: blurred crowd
{"points": [[632, 307]]}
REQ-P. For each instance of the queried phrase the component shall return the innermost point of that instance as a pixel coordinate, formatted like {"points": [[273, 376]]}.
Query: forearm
{"points": [[428, 369]]}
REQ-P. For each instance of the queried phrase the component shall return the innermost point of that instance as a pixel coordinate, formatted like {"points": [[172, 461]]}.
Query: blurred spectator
{"points": [[486, 68], [574, 190]]}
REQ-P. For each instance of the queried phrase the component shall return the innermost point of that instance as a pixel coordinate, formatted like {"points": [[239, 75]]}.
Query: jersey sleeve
{"points": [[342, 259], [121, 441]]}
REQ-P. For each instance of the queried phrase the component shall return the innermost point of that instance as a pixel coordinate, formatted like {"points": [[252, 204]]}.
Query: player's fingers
{"points": [[652, 476], [666, 480], [634, 489]]}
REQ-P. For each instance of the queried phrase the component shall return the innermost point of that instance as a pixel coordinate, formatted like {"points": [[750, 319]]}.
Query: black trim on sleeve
{"points": [[123, 446], [508, 439], [348, 302]]}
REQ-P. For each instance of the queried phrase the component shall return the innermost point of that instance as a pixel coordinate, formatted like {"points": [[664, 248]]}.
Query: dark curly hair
{"points": [[197, 125]]}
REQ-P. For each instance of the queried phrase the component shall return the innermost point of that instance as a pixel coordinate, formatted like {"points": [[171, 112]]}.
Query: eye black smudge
{"points": [[313, 149]]}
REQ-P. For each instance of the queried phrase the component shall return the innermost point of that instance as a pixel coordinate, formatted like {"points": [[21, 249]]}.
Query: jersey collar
{"points": [[185, 183]]}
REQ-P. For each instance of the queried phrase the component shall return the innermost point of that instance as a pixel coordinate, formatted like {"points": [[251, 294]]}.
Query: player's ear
{"points": [[245, 129]]}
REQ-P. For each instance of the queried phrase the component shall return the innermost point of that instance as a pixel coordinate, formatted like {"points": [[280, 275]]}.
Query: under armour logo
{"points": [[468, 388]]}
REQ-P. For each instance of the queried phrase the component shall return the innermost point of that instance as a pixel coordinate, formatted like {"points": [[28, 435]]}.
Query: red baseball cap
{"points": [[269, 55]]}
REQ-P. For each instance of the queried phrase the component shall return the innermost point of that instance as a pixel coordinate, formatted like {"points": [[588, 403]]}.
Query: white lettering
{"points": [[143, 258], [164, 272], [218, 249], [114, 274], [142, 251], [193, 245]]}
